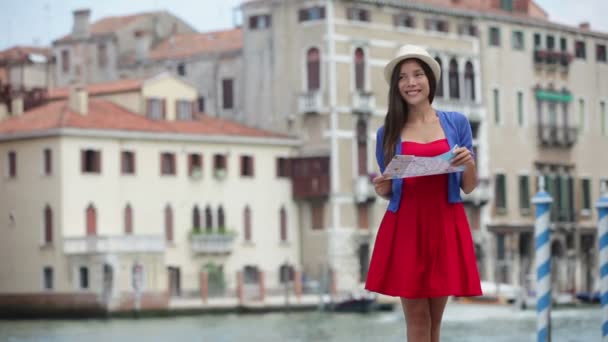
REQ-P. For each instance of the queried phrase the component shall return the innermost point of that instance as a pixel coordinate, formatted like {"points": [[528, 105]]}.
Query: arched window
{"points": [[247, 224], [48, 225], [91, 220], [196, 219], [283, 224], [313, 69], [169, 223], [439, 89], [359, 69], [128, 216], [469, 82], [453, 75], [208, 219]]}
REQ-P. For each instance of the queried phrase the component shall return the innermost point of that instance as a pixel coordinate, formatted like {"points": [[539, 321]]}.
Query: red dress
{"points": [[425, 249]]}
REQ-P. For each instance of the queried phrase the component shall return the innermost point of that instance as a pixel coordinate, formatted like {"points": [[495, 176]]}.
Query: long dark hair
{"points": [[396, 117]]}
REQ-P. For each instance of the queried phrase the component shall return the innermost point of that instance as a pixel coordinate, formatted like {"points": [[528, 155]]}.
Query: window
{"points": [[494, 36], [518, 40], [208, 220], [500, 193], [47, 278], [603, 118], [48, 161], [537, 41], [12, 164], [282, 167], [439, 89], [563, 43], [357, 14], [437, 25], [219, 162], [247, 224], [168, 223], [506, 5], [258, 22], [128, 216], [65, 61], [520, 108], [362, 146], [580, 50], [403, 20], [311, 13], [196, 219], [167, 164], [467, 28], [454, 80], [48, 225], [313, 69], [221, 223], [581, 115], [90, 161], [184, 110], [283, 224], [586, 194], [127, 162], [497, 118], [155, 108], [469, 82], [227, 93], [102, 55], [359, 69], [550, 42], [195, 165], [91, 220], [181, 69], [247, 166], [317, 213], [83, 273], [524, 194], [600, 53], [201, 104]]}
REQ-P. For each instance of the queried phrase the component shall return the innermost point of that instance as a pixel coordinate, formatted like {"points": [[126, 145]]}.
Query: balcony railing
{"points": [[551, 135], [552, 58], [310, 102], [481, 194], [212, 243], [114, 244], [363, 103], [310, 177]]}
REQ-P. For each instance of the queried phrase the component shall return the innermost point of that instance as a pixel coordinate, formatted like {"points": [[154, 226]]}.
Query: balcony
{"points": [[363, 103], [310, 102], [479, 196], [364, 189], [550, 59], [310, 177], [114, 244], [213, 243], [551, 135]]}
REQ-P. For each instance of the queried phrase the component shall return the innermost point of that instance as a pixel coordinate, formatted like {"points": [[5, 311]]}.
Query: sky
{"points": [[39, 22]]}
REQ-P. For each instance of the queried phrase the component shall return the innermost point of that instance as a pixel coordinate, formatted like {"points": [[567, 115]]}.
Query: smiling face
{"points": [[413, 82]]}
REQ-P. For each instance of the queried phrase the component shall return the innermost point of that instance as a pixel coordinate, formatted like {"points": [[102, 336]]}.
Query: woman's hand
{"points": [[462, 156], [383, 186]]}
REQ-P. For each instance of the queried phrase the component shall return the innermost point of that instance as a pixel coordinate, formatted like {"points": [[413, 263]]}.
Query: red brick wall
{"points": [[50, 304]]}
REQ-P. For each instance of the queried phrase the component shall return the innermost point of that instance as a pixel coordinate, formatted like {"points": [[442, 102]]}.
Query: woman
{"points": [[423, 251]]}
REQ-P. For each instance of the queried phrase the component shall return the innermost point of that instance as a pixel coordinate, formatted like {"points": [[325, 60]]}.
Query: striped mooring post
{"points": [[542, 200], [602, 233]]}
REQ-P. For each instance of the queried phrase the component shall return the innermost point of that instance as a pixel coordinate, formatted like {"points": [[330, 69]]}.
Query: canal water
{"points": [[462, 322]]}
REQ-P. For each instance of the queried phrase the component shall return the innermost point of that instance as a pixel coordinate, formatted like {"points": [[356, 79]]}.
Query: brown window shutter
{"points": [[252, 161], [190, 157], [133, 161], [98, 161], [194, 109], [163, 108], [161, 162], [176, 115], [83, 163], [173, 164], [148, 108], [242, 166]]}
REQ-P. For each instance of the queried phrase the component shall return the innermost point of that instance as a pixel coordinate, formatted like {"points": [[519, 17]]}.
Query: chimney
{"points": [[17, 105], [143, 41], [81, 27], [584, 26], [78, 99]]}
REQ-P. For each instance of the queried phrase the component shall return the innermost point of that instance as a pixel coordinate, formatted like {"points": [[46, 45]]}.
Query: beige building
{"points": [[119, 176], [314, 68]]}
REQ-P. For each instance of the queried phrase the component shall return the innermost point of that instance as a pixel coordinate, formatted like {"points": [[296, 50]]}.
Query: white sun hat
{"points": [[412, 51]]}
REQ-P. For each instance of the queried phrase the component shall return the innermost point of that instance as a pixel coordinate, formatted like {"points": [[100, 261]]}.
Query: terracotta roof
{"points": [[189, 44], [99, 88], [21, 53], [111, 24], [105, 115]]}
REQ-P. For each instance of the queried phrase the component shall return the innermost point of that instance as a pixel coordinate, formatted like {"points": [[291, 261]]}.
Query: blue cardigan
{"points": [[457, 131]]}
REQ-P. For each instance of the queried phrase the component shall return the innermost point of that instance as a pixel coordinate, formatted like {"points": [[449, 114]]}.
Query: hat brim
{"points": [[431, 62]]}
